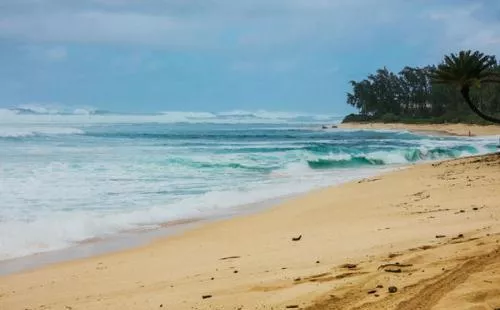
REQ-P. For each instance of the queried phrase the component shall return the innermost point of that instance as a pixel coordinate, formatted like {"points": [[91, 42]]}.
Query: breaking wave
{"points": [[396, 156], [40, 113], [41, 131]]}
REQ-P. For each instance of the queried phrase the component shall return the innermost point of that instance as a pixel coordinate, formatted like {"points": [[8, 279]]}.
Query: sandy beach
{"points": [[425, 237], [450, 129]]}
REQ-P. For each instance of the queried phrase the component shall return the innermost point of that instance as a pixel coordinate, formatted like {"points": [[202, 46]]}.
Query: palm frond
{"points": [[466, 68]]}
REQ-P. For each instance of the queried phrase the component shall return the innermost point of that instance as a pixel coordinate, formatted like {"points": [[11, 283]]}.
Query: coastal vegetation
{"points": [[464, 88]]}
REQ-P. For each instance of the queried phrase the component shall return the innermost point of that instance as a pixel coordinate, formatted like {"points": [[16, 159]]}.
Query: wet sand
{"points": [[426, 237]]}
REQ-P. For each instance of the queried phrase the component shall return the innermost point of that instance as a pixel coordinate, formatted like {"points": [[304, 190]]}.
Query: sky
{"points": [[221, 55]]}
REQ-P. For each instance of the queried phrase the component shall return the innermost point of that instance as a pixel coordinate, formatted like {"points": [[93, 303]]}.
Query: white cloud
{"points": [[249, 26], [179, 23], [463, 27]]}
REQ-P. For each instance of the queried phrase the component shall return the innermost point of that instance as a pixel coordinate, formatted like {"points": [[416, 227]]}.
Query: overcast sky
{"points": [[217, 55]]}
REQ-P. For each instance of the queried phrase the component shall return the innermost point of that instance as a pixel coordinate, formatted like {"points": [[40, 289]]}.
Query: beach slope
{"points": [[426, 237]]}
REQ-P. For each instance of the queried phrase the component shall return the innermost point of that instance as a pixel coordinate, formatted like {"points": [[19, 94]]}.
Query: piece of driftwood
{"points": [[393, 270], [349, 266], [229, 257], [394, 265]]}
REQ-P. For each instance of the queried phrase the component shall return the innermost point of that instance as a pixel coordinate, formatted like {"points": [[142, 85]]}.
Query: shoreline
{"points": [[142, 236], [251, 260], [97, 246], [118, 240], [447, 129], [127, 240]]}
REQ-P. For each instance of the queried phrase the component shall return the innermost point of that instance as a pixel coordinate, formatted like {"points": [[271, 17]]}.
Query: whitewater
{"points": [[68, 177]]}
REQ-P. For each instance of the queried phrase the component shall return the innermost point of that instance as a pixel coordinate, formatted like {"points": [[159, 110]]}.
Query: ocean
{"points": [[68, 177]]}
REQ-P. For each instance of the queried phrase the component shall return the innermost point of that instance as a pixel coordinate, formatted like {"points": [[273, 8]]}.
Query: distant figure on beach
{"points": [[469, 133]]}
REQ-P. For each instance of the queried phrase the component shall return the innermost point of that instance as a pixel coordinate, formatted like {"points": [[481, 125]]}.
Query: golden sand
{"points": [[453, 129], [430, 232]]}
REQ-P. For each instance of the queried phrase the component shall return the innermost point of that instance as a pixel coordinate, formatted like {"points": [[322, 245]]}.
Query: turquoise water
{"points": [[68, 178]]}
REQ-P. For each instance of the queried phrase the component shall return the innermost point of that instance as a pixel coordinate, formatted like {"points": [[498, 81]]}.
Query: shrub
{"points": [[390, 118], [357, 118]]}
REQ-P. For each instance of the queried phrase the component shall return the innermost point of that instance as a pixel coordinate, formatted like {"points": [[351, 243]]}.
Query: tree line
{"points": [[431, 94]]}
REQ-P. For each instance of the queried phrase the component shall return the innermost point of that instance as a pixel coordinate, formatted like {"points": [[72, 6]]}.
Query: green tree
{"points": [[413, 96], [468, 70]]}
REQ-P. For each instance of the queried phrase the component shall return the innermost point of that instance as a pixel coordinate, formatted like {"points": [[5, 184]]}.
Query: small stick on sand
{"points": [[349, 266], [394, 265], [229, 257]]}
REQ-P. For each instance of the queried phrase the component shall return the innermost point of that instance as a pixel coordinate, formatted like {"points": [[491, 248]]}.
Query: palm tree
{"points": [[466, 70]]}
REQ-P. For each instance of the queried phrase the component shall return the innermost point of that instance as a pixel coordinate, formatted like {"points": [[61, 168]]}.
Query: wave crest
{"points": [[42, 131], [411, 155]]}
